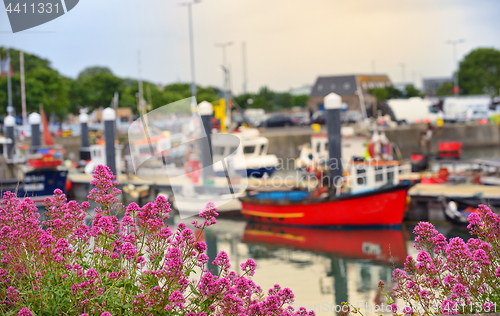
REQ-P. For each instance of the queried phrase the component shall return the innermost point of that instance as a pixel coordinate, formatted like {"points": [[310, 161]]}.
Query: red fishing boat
{"points": [[372, 195], [377, 245]]}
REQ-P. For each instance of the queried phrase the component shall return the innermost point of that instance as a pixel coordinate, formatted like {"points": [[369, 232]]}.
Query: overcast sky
{"points": [[289, 42]]}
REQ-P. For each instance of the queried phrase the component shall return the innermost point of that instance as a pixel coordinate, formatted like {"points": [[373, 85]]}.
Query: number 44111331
{"points": [[32, 8]]}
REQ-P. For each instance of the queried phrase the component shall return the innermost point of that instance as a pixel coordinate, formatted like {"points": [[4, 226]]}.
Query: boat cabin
{"points": [[248, 153], [98, 157], [367, 176], [3, 143], [352, 146], [250, 147]]}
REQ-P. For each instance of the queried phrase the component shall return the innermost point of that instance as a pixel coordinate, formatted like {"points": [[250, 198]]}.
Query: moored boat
{"points": [[457, 212], [253, 148], [36, 175], [31, 171], [372, 195]]}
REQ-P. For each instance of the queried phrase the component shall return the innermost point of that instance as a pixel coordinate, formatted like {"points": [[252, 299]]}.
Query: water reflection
{"points": [[385, 246], [353, 261]]}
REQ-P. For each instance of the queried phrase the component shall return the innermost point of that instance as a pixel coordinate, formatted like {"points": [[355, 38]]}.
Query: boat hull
{"points": [[37, 184], [254, 173], [383, 207]]}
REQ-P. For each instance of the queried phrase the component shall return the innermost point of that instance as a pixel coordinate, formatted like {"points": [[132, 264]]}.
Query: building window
{"points": [[320, 87], [387, 84], [364, 85], [333, 87], [370, 84], [347, 86]]}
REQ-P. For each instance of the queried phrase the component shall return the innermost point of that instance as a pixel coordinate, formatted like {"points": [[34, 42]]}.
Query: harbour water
{"points": [[323, 267]]}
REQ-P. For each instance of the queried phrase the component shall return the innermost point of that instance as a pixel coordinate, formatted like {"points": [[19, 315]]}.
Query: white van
{"points": [[466, 108], [413, 110]]}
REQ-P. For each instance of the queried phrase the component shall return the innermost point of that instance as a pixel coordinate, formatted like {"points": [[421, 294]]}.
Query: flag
{"points": [[47, 138], [6, 67]]}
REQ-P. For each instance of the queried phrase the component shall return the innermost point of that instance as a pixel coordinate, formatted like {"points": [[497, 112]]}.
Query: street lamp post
{"points": [[226, 94], [403, 77], [224, 63], [191, 45], [454, 43], [224, 46]]}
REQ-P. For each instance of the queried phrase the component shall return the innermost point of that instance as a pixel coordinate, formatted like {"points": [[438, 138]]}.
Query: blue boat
{"points": [[34, 175]]}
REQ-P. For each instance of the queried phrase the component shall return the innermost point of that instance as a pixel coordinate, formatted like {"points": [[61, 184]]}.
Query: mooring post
{"points": [[34, 119], [333, 104], [84, 136], [10, 124], [109, 117], [206, 111]]}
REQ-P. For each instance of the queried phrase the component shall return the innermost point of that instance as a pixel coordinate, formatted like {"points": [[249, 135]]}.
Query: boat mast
{"points": [[23, 91], [10, 108]]}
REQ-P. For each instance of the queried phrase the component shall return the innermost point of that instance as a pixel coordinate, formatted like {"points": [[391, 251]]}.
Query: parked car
{"points": [[301, 118], [319, 117], [276, 120], [351, 116]]}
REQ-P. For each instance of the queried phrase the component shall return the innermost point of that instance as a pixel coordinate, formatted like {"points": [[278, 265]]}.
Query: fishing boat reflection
{"points": [[359, 257], [384, 246]]}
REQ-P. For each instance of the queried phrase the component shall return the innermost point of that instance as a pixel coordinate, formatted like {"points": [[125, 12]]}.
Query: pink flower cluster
{"points": [[133, 266], [452, 277]]}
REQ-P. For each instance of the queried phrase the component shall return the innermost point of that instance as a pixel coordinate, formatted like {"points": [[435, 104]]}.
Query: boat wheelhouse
{"points": [[253, 147]]}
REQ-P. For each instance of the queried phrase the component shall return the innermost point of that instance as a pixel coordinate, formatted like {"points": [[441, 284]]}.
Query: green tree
{"points": [[243, 100], [265, 99], [445, 89], [30, 61], [479, 72], [94, 88], [300, 100], [284, 100], [91, 71], [386, 93], [411, 91], [43, 86]]}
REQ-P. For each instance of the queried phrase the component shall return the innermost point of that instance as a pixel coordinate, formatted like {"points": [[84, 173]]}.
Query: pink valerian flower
{"points": [[128, 250], [222, 260], [25, 312], [109, 254], [209, 214], [92, 274], [249, 266], [454, 273], [177, 299], [105, 192]]}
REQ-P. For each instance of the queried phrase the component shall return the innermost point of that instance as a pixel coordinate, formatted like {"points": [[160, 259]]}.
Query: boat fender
{"points": [[68, 185], [453, 206]]}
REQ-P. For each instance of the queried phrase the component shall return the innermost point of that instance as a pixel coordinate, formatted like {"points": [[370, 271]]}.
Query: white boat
{"points": [[316, 153], [193, 207], [98, 157], [253, 147]]}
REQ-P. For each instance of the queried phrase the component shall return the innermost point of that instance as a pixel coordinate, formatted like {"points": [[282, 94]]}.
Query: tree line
{"points": [[478, 73], [94, 87]]}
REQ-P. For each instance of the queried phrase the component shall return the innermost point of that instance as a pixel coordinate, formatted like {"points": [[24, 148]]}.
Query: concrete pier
{"points": [[285, 142]]}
